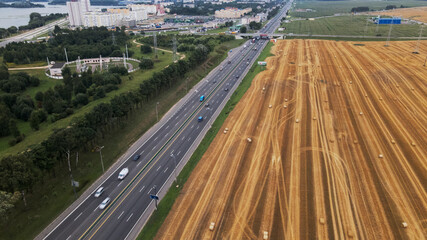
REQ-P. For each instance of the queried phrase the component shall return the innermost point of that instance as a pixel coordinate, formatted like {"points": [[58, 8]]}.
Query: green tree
{"points": [[243, 29], [146, 49], [7, 202], [4, 73], [12, 29], [34, 120], [13, 128], [146, 63], [5, 115]]}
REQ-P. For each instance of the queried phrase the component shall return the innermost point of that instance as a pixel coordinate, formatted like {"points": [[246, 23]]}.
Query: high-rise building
{"points": [[76, 10], [74, 13]]}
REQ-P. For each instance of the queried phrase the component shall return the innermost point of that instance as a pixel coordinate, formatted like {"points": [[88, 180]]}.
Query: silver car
{"points": [[99, 191], [104, 203]]}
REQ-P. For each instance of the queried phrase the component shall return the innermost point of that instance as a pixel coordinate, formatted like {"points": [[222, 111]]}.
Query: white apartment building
{"points": [[76, 9]]}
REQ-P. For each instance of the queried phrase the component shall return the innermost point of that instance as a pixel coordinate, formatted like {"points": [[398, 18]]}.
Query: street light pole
{"points": [[157, 112], [100, 154]]}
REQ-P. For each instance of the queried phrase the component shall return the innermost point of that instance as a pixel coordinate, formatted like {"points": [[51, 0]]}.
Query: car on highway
{"points": [[207, 105], [199, 119], [104, 203], [123, 173], [202, 98], [136, 157], [221, 69], [237, 76], [99, 192], [226, 89]]}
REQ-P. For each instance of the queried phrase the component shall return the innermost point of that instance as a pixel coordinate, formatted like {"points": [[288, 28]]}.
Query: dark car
{"points": [[136, 157], [226, 89]]}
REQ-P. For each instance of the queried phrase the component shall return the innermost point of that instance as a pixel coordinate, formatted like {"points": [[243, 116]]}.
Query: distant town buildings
{"points": [[231, 12], [80, 15]]}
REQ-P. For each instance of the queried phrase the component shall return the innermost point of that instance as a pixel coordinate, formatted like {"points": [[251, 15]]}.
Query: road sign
{"points": [[74, 183], [155, 197]]}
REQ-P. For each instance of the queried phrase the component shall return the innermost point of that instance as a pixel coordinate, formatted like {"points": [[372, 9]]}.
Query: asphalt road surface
{"points": [[130, 197]]}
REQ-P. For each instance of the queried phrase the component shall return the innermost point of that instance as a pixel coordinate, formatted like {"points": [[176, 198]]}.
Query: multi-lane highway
{"points": [[160, 153], [33, 33]]}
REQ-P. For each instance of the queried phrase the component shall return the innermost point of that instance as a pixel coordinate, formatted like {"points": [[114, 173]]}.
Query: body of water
{"points": [[20, 16]]}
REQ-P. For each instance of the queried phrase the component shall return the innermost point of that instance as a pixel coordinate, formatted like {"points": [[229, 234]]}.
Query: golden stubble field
{"points": [[338, 151], [417, 13]]}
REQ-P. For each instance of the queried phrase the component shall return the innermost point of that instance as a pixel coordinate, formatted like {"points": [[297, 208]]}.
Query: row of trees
{"points": [[19, 173], [86, 43]]}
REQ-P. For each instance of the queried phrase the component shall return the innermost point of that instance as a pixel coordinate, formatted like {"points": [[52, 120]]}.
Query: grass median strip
{"points": [[158, 217]]}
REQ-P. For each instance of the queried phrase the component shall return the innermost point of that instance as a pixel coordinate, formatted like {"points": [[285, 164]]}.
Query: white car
{"points": [[104, 203], [123, 173], [99, 191]]}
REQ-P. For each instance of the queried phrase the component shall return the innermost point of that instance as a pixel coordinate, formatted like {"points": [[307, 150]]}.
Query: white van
{"points": [[123, 173]]}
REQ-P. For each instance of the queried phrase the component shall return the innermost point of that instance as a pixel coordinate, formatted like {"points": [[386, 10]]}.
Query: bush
{"points": [[146, 49], [146, 63]]}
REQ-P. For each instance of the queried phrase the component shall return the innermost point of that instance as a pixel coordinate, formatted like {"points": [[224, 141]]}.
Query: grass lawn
{"points": [[158, 217], [218, 30], [350, 25], [126, 85], [327, 8], [48, 201]]}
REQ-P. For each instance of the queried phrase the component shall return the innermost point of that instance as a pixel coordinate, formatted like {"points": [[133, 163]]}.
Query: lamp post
{"points": [[100, 154], [157, 112]]}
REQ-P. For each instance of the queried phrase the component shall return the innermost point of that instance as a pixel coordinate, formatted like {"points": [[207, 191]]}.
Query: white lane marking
{"points": [[68, 237], [119, 183], [192, 107], [166, 134], [172, 151], [188, 139], [167, 127], [142, 152], [183, 138], [185, 114], [129, 217], [196, 90], [142, 188], [165, 170], [138, 163], [185, 109], [158, 168], [148, 193], [120, 215], [176, 123], [176, 117], [178, 153], [95, 208], [156, 138], [78, 216], [197, 127], [153, 148], [192, 126]]}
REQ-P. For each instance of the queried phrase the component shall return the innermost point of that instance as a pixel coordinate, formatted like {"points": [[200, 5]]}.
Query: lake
{"points": [[20, 16]]}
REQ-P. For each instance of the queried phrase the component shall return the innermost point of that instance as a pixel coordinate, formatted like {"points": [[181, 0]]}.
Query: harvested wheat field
{"points": [[338, 150], [416, 13]]}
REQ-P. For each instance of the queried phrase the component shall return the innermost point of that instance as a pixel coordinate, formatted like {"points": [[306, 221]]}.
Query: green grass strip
{"points": [[156, 220]]}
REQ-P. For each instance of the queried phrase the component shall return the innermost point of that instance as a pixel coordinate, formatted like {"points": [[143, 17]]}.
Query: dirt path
{"points": [[338, 150]]}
